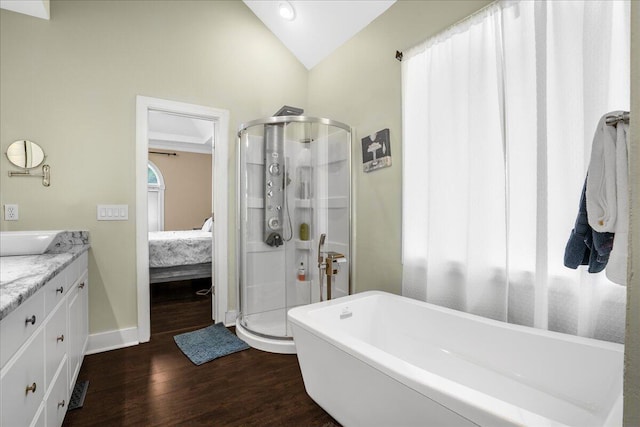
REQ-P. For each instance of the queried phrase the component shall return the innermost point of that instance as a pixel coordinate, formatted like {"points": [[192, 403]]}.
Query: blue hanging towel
{"points": [[586, 246]]}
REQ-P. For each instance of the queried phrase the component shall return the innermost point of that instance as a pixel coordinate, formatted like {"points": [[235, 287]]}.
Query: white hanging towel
{"points": [[608, 192]]}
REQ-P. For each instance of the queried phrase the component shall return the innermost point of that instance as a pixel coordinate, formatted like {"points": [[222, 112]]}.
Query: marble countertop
{"points": [[22, 276]]}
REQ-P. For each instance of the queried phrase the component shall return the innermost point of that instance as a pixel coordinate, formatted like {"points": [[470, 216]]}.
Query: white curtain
{"points": [[498, 117]]}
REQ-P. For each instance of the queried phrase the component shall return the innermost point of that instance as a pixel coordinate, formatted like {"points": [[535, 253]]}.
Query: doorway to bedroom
{"points": [[177, 146], [180, 194]]}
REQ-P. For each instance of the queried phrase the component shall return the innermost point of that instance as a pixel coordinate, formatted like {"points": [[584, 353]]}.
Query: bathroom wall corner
{"points": [[632, 338]]}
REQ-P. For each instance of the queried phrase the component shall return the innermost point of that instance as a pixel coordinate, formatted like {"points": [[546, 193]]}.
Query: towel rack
{"points": [[615, 119]]}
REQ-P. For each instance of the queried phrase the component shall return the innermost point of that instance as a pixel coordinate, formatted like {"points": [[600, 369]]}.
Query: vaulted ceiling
{"points": [[318, 26]]}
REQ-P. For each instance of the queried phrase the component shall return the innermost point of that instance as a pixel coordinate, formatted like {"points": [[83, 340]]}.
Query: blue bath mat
{"points": [[207, 344]]}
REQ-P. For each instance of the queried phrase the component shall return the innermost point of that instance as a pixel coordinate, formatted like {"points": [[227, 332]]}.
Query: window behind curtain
{"points": [[499, 114]]}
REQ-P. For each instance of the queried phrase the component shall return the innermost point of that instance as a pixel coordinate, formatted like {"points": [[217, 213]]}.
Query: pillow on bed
{"points": [[208, 224]]}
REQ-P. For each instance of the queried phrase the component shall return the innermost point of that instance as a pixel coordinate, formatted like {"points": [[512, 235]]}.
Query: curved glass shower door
{"points": [[294, 185]]}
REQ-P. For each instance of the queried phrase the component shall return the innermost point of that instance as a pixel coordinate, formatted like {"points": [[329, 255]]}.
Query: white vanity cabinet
{"points": [[42, 346], [78, 302]]}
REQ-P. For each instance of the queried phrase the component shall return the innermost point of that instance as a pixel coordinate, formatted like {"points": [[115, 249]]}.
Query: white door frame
{"points": [[220, 118]]}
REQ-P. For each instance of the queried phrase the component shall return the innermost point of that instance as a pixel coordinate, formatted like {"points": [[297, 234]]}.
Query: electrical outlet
{"points": [[10, 212]]}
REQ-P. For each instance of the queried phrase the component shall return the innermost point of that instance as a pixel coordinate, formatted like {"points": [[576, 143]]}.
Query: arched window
{"points": [[155, 195]]}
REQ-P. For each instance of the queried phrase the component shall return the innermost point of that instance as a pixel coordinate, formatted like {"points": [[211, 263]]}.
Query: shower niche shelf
{"points": [[337, 202], [262, 247], [303, 282], [304, 203], [304, 245]]}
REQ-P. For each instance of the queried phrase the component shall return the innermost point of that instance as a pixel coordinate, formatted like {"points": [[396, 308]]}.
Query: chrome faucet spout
{"points": [[335, 256]]}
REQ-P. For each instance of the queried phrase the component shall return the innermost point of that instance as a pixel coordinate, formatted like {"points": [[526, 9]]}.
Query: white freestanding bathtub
{"points": [[377, 359]]}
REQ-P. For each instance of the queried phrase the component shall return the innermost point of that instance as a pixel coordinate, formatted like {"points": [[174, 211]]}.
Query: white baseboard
{"points": [[112, 340], [230, 318], [121, 338]]}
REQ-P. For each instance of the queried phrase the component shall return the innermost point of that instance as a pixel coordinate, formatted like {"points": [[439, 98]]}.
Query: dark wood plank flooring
{"points": [[154, 384], [176, 306]]}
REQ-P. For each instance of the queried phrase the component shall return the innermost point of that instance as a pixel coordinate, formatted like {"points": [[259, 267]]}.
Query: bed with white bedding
{"points": [[179, 255]]}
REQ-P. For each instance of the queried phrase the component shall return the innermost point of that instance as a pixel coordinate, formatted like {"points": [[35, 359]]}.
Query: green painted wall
{"points": [[360, 84], [70, 84]]}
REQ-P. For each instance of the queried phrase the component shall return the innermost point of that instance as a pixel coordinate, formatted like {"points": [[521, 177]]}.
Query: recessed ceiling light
{"points": [[287, 11]]}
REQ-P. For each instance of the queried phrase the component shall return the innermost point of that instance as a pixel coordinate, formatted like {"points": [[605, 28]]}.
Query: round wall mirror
{"points": [[25, 154]]}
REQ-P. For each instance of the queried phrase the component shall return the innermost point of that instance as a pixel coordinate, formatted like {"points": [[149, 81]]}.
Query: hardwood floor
{"points": [[154, 384], [176, 306]]}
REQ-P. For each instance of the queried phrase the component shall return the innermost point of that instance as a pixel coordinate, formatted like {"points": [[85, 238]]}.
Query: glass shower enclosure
{"points": [[294, 222]]}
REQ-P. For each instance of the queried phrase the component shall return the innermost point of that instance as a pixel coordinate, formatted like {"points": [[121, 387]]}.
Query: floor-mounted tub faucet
{"points": [[321, 263], [328, 265]]}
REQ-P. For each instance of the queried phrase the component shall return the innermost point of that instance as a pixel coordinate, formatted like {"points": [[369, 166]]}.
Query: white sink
{"points": [[26, 242]]}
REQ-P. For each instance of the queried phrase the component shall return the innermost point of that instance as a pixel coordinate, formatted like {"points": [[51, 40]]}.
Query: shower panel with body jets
{"points": [[294, 222]]}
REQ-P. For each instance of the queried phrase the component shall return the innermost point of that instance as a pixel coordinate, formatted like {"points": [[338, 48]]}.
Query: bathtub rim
{"points": [[467, 402]]}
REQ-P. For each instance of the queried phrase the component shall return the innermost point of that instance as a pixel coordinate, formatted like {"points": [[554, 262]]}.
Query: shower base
{"points": [[267, 323]]}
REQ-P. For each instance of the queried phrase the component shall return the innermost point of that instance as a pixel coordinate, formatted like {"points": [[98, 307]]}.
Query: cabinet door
{"points": [[55, 291], [58, 399], [78, 327], [39, 420], [22, 384], [56, 339], [73, 349], [19, 325], [84, 314]]}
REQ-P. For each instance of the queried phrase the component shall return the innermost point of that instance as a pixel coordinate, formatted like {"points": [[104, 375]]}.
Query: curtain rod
{"points": [[160, 152], [460, 21]]}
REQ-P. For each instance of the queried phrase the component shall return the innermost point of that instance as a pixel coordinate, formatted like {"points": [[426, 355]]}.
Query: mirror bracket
{"points": [[46, 174]]}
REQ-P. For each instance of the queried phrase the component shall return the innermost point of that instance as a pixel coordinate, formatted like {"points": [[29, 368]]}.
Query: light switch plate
{"points": [[113, 212]]}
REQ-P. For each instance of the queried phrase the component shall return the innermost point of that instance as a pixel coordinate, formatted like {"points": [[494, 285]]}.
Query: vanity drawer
{"points": [[55, 291], [77, 267], [58, 399], [55, 343], [22, 384], [18, 326]]}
